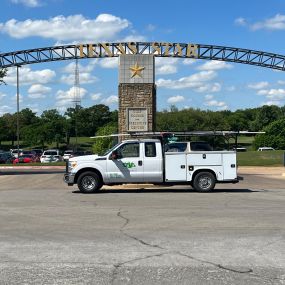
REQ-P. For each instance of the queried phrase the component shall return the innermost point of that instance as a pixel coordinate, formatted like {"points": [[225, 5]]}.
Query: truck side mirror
{"points": [[114, 155]]}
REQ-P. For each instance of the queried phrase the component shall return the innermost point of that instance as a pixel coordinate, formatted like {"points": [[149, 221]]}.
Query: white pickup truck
{"points": [[148, 161]]}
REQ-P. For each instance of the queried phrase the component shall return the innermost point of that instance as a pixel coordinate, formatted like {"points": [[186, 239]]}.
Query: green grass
{"points": [[245, 140], [260, 158]]}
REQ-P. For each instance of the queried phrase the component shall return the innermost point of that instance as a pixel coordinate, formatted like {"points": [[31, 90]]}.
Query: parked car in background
{"points": [[240, 149], [24, 152], [265, 148], [68, 154], [38, 152], [51, 155], [6, 157], [26, 158], [14, 152]]}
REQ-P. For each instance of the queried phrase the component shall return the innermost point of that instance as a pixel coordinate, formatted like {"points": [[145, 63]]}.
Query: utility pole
{"points": [[76, 99], [18, 110]]}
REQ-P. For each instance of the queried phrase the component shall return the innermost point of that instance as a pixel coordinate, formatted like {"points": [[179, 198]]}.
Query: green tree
{"points": [[101, 145], [10, 123], [266, 115], [274, 136], [3, 73]]}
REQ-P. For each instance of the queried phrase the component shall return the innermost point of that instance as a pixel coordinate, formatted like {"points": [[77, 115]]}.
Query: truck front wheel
{"points": [[204, 182], [89, 182]]}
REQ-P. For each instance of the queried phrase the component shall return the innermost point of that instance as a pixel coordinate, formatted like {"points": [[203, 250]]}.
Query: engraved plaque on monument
{"points": [[137, 120]]}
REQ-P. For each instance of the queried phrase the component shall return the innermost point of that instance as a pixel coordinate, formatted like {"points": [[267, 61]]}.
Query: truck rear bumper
{"points": [[234, 181], [69, 179]]}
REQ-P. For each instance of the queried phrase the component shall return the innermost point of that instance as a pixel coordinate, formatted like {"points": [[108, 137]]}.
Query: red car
{"points": [[26, 158]]}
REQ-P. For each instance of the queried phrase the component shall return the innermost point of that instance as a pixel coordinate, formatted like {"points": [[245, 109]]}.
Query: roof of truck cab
{"points": [[142, 140]]}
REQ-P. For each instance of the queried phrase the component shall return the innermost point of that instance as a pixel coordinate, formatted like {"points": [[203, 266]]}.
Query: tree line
{"points": [[53, 127]]}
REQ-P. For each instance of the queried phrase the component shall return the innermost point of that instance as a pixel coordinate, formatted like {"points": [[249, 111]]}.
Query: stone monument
{"points": [[137, 93]]}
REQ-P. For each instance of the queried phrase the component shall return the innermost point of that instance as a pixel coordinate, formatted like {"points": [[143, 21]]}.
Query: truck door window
{"points": [[129, 150], [150, 150]]}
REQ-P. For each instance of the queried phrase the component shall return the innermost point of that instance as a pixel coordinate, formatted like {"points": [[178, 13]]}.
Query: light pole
{"points": [[18, 107]]}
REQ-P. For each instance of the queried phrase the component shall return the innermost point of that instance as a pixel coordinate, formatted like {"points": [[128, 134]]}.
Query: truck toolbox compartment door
{"points": [[204, 158], [175, 167]]}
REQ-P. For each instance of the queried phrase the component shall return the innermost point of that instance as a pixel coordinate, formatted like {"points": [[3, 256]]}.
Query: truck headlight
{"points": [[72, 164]]}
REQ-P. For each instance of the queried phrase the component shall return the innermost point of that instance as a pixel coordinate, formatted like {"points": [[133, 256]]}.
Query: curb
{"points": [[32, 167]]}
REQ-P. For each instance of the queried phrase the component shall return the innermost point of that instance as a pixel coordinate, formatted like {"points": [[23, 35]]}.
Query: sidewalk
{"points": [[263, 170]]}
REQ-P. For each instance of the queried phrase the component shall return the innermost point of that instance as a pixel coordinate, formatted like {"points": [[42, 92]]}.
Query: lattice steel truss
{"points": [[209, 52]]}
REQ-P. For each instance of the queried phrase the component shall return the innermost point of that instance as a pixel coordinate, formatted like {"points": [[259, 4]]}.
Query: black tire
{"points": [[204, 182], [89, 182]]}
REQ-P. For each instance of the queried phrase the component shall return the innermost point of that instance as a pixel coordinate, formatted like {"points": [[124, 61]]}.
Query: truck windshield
{"points": [[111, 149]]}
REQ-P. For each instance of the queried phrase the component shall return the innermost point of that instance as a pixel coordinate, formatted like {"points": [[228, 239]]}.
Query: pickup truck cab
{"points": [[148, 161]]}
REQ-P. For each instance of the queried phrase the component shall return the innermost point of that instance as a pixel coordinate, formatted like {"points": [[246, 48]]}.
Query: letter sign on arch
{"points": [[158, 49]]}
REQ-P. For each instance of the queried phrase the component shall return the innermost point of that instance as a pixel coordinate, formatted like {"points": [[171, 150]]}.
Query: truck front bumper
{"points": [[69, 179]]}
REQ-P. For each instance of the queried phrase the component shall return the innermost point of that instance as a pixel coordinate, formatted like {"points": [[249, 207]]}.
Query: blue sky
{"points": [[255, 24]]}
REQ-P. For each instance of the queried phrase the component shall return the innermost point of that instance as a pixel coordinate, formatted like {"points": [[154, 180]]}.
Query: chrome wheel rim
{"points": [[88, 182], [205, 182]]}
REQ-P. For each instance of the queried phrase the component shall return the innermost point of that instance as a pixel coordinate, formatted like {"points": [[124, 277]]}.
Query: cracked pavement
{"points": [[51, 234]]}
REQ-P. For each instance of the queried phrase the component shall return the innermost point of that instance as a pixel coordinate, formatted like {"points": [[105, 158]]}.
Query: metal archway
{"points": [[180, 50]]}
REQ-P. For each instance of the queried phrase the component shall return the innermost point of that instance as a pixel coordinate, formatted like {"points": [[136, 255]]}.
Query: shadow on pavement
{"points": [[155, 190]]}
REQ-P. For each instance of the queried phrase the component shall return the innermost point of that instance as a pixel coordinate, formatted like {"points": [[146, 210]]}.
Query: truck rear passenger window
{"points": [[150, 150]]}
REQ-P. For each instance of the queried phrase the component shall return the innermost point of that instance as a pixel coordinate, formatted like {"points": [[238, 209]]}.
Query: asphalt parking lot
{"points": [[52, 234]]}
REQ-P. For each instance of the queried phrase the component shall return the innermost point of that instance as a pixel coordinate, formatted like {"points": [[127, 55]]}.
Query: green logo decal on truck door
{"points": [[129, 164]]}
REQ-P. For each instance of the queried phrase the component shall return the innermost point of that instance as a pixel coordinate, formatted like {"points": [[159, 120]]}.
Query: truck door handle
{"points": [[140, 163]]}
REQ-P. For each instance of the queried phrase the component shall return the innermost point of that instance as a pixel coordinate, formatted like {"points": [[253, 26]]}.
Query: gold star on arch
{"points": [[136, 70]]}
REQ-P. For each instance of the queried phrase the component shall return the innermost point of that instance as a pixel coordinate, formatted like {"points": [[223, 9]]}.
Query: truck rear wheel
{"points": [[204, 182], [89, 182]]}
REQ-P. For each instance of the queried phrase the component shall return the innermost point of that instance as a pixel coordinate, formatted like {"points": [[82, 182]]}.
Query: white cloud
{"points": [[72, 28], [281, 82], [28, 76], [175, 99], [96, 96], [37, 91], [273, 94], [5, 109], [270, 103], [112, 62], [2, 95], [166, 69], [84, 78], [132, 38], [65, 98], [70, 68], [110, 100], [33, 107], [150, 27], [161, 61], [275, 23], [189, 61], [272, 24], [213, 87], [241, 21], [166, 65], [28, 3], [211, 102], [258, 85], [231, 88], [215, 65], [197, 81]]}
